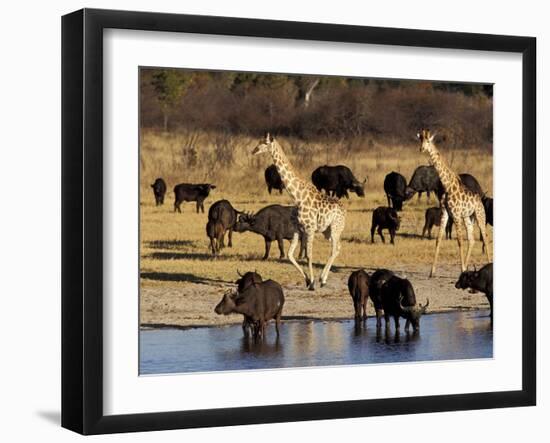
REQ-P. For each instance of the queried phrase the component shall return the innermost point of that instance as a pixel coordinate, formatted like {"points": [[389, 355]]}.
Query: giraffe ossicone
{"points": [[317, 212]]}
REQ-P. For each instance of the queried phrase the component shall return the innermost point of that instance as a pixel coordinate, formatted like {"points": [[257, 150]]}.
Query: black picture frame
{"points": [[82, 220]]}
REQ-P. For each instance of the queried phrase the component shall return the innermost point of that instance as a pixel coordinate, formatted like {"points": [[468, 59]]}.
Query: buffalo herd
{"points": [[260, 301]]}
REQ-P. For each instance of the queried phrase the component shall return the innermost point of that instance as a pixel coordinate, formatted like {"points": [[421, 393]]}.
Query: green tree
{"points": [[170, 86]]}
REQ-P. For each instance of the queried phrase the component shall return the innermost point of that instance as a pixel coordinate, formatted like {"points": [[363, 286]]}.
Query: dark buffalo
{"points": [[159, 190], [377, 281], [243, 282], [258, 303], [433, 218], [481, 280], [187, 192], [337, 181], [467, 180], [358, 285], [399, 300], [274, 222], [273, 179], [222, 211], [424, 179], [384, 218], [395, 187], [247, 279], [215, 232]]}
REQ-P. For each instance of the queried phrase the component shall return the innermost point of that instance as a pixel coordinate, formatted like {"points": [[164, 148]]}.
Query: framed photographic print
{"points": [[270, 221]]}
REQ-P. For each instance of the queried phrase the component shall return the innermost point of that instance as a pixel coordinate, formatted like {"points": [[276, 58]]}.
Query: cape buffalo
{"points": [[433, 218], [481, 280], [399, 300], [243, 282], [258, 303], [159, 190], [424, 179], [222, 211], [187, 192], [358, 285], [215, 232], [377, 280], [395, 188], [337, 181], [273, 179], [384, 218], [274, 222]]}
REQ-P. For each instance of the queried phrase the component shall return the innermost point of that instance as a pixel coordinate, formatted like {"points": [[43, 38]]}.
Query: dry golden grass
{"points": [[174, 247]]}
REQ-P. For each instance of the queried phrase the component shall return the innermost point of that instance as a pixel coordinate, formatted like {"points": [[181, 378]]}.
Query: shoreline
{"points": [[291, 319]]}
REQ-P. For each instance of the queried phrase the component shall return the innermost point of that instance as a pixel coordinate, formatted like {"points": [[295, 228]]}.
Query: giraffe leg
{"points": [[479, 214], [468, 222], [310, 282], [439, 238], [335, 250], [291, 249], [459, 237]]}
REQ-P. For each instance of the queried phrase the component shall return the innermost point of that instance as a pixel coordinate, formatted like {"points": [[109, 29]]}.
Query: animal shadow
{"points": [[179, 276]]}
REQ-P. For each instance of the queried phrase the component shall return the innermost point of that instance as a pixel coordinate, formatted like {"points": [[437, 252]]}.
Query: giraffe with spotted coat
{"points": [[459, 201], [317, 212]]}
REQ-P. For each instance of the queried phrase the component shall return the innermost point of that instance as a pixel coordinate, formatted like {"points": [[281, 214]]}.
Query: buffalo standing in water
{"points": [[481, 280], [258, 303]]}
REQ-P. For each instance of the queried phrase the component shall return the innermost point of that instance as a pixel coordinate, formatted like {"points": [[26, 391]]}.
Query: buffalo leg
{"points": [[372, 229], [230, 237], [387, 322], [424, 229], [278, 321], [213, 245], [267, 249], [389, 201], [392, 236], [177, 206], [407, 325], [269, 190], [379, 314], [490, 300], [396, 319], [281, 247], [380, 234]]}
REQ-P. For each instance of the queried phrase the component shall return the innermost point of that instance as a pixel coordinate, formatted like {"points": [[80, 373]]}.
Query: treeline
{"points": [[315, 108]]}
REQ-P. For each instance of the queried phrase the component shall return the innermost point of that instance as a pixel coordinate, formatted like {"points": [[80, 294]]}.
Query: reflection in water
{"points": [[456, 335]]}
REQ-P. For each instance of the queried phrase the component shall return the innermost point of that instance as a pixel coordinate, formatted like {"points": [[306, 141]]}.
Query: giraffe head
{"points": [[265, 144], [426, 140]]}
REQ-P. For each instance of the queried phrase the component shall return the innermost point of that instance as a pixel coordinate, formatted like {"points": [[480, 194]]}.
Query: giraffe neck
{"points": [[447, 176], [293, 183]]}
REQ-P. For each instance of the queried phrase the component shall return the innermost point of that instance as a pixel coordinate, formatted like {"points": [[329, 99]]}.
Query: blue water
{"points": [[444, 336]]}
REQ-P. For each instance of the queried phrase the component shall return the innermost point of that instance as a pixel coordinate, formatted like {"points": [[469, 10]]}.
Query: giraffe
{"points": [[317, 212], [458, 200]]}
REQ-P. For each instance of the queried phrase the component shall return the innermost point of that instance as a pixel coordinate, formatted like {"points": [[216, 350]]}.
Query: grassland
{"points": [[181, 282]]}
